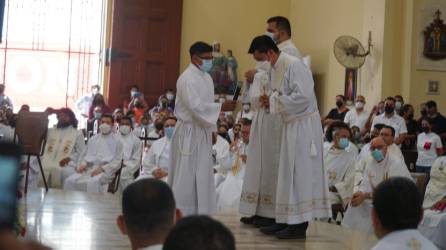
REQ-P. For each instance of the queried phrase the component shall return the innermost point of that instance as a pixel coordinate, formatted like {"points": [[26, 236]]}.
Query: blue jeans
{"points": [[425, 170]]}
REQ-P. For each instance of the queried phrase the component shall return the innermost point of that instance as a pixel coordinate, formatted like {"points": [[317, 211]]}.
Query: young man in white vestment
{"points": [[132, 146], [155, 163], [339, 163], [396, 213], [221, 158], [191, 171], [378, 167], [64, 146], [302, 192], [228, 193], [258, 199], [433, 225], [99, 162]]}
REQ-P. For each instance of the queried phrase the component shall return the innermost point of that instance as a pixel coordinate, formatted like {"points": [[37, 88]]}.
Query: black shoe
{"points": [[263, 222], [249, 220], [293, 232], [273, 229]]}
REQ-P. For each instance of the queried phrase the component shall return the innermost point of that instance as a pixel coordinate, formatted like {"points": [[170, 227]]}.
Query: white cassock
{"points": [[374, 173], [222, 159], [102, 150], [302, 192], [288, 47], [6, 133], [156, 158], [340, 169], [131, 158], [61, 143], [228, 193], [191, 170], [409, 239], [433, 225], [260, 182]]}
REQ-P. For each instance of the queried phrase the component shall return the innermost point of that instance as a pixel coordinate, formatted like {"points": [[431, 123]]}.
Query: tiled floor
{"points": [[75, 220]]}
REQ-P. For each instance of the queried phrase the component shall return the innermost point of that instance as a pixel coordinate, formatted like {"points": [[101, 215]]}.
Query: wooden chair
{"points": [[114, 185], [421, 182]]}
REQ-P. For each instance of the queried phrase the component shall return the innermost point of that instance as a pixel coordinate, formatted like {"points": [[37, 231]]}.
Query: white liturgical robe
{"points": [[433, 225], [191, 171], [104, 151], [340, 168], [302, 192], [288, 47], [6, 133], [156, 158], [222, 159], [409, 239], [61, 143], [374, 173], [132, 146]]}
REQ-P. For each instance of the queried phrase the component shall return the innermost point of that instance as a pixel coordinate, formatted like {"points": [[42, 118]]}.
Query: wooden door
{"points": [[145, 48]]}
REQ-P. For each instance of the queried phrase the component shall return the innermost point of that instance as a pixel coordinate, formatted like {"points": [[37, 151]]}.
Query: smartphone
{"points": [[237, 92], [9, 180]]}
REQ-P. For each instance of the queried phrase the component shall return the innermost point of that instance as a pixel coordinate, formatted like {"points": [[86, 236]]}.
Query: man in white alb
{"points": [[191, 172]]}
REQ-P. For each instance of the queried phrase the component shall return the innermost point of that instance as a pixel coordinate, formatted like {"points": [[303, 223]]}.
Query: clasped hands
{"points": [[82, 168], [264, 101]]}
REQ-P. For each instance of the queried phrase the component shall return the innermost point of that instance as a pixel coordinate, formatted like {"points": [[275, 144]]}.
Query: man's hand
{"points": [[159, 173], [264, 101], [64, 162], [97, 171], [249, 75], [80, 169], [333, 189], [440, 205], [228, 106], [358, 198]]}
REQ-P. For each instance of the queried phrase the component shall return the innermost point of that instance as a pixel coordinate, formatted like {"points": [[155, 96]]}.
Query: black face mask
{"points": [[425, 129], [339, 104], [423, 113], [389, 110]]}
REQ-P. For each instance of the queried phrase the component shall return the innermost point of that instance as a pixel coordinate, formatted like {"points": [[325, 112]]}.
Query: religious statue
{"points": [[218, 71], [232, 71], [435, 38]]}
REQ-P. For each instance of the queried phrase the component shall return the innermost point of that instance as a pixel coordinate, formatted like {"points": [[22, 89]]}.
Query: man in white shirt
{"points": [[246, 112], [379, 167], [131, 152], [396, 213], [155, 163], [191, 171], [99, 162], [148, 214], [390, 118], [358, 116]]}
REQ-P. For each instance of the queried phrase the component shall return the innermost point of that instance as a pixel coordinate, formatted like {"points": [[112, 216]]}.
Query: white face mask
{"points": [[263, 66], [222, 100], [105, 129], [170, 97], [246, 107], [124, 129], [359, 105]]}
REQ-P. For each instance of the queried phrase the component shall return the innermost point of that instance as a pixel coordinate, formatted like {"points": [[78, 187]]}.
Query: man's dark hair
{"points": [[406, 108], [127, 119], [390, 98], [134, 86], [245, 121], [170, 118], [391, 129], [108, 116], [95, 87], [148, 206], [69, 113], [199, 233], [335, 126], [282, 23], [431, 104], [400, 97], [379, 126], [344, 99], [262, 44], [398, 204], [199, 48]]}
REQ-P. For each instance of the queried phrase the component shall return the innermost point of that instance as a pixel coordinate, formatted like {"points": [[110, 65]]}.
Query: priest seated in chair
{"points": [[131, 152]]}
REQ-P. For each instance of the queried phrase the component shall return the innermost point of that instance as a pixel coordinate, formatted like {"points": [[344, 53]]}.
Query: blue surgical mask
{"points": [[206, 66], [97, 115], [169, 132], [343, 143], [377, 155]]}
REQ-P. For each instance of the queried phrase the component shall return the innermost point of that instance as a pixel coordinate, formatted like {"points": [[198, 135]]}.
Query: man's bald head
{"points": [[380, 144]]}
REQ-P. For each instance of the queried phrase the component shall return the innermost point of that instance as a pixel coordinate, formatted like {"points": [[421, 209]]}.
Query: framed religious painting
{"points": [[351, 85]]}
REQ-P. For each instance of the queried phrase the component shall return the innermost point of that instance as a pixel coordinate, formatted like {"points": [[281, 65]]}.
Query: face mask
{"points": [[222, 100], [105, 128], [398, 105], [377, 155], [270, 34], [95, 92], [97, 115], [124, 129], [339, 104], [206, 66], [343, 143], [133, 93], [246, 107], [359, 105], [263, 66], [169, 132], [170, 97], [425, 129], [423, 112], [389, 110]]}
